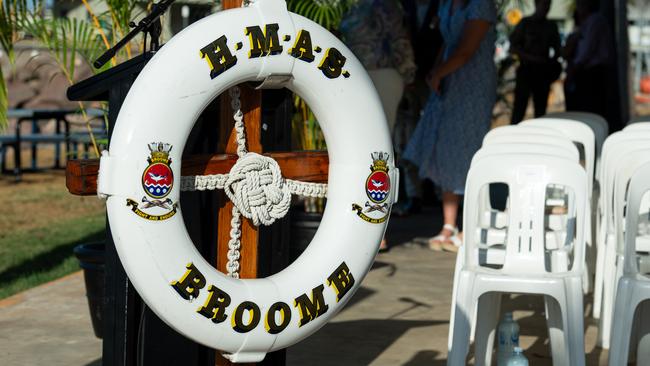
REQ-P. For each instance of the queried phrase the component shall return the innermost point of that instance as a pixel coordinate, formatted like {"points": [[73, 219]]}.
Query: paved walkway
{"points": [[399, 316]]}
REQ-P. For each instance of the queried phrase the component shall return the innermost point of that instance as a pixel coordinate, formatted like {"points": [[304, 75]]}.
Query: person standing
{"points": [[591, 71], [535, 41], [459, 111], [422, 23]]}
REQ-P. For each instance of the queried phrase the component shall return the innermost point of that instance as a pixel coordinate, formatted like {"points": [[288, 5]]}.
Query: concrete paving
{"points": [[48, 325], [399, 316]]}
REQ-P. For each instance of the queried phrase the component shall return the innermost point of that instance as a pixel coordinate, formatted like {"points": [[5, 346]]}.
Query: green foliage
{"points": [[327, 13], [11, 11], [65, 39]]}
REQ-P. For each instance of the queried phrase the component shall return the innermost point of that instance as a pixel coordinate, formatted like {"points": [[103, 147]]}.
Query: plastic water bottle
{"points": [[517, 358], [508, 337]]}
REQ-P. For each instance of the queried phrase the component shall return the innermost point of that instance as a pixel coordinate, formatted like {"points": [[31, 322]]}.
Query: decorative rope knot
{"points": [[256, 187]]}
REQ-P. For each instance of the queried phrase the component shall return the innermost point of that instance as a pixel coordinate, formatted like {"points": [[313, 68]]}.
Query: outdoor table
{"points": [[62, 134]]}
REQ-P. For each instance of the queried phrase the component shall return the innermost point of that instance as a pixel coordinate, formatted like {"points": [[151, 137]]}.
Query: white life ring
{"points": [[245, 319]]}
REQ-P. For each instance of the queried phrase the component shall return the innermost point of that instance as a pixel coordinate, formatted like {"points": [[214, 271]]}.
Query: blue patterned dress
{"points": [[453, 124]]}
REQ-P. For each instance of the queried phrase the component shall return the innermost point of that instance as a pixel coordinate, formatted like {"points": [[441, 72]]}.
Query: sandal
{"points": [[453, 242], [437, 243], [383, 247]]}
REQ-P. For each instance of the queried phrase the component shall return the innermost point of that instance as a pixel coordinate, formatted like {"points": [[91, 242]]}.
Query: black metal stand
{"points": [[150, 25]]}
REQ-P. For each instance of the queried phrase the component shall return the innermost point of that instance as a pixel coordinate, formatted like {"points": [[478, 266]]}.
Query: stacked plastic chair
{"points": [[634, 286], [532, 161], [623, 152]]}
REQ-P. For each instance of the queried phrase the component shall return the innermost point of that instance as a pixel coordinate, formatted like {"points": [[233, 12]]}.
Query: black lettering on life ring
{"points": [[302, 48], [271, 326], [332, 63], [311, 309], [216, 304], [218, 56], [238, 317], [341, 281], [190, 284], [263, 43]]}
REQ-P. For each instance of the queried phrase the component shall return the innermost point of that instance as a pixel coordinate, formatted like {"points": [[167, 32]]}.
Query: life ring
{"points": [[245, 319]]}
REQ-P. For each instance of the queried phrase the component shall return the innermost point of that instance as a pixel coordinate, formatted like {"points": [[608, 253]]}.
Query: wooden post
{"points": [[251, 104]]}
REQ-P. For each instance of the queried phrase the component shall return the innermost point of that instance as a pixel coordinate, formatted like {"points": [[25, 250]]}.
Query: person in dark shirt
{"points": [[536, 43]]}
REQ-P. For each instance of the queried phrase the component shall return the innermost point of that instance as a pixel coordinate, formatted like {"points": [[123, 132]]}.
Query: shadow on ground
{"points": [[47, 260], [359, 342]]}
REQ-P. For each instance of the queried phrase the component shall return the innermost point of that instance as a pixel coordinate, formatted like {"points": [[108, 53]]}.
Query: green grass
{"points": [[30, 257]]}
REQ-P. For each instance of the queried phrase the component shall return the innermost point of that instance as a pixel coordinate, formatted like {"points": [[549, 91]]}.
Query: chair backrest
{"points": [[625, 169], [524, 138], [615, 146], [527, 177], [638, 119], [579, 133], [639, 185], [534, 148], [597, 123], [638, 126]]}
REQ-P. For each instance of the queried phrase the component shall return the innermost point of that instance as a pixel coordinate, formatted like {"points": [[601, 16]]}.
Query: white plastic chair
{"points": [[579, 133], [504, 148], [633, 287], [597, 123], [524, 270], [624, 170], [604, 224], [638, 119], [638, 126]]}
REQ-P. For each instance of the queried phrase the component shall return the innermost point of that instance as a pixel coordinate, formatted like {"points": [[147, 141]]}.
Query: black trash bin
{"points": [[91, 260], [303, 229]]}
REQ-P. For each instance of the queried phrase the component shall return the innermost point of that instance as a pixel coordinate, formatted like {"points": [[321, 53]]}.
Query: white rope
{"points": [[255, 186], [218, 181]]}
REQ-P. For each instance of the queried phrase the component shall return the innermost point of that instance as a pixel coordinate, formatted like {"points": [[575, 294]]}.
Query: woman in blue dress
{"points": [[459, 111]]}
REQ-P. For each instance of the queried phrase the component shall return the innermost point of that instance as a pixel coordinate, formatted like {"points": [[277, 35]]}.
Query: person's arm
{"points": [[556, 43], [473, 33]]}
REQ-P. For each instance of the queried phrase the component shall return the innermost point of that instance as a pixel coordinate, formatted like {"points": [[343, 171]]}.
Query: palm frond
{"points": [[327, 13]]}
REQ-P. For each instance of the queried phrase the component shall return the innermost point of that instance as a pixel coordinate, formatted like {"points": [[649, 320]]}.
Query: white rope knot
{"points": [[256, 187]]}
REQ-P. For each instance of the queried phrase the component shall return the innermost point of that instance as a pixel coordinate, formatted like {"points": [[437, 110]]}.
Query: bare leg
{"points": [[450, 208], [450, 212]]}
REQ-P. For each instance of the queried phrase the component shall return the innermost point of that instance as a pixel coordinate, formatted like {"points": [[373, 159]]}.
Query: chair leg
{"points": [[556, 330], [575, 314], [622, 327], [607, 309], [643, 335], [600, 264], [486, 325], [459, 264], [463, 313], [587, 282]]}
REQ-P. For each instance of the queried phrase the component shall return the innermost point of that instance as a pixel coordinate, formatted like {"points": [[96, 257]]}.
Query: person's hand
{"points": [[434, 81]]}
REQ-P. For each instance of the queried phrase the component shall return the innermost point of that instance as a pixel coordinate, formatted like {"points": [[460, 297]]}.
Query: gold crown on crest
{"points": [[159, 152], [380, 161]]}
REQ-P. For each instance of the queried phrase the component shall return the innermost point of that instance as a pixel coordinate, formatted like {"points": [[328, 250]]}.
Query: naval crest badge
{"points": [[157, 182], [375, 211]]}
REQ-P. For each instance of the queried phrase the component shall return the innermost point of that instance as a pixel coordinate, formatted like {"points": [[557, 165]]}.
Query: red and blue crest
{"points": [[157, 180], [378, 186]]}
